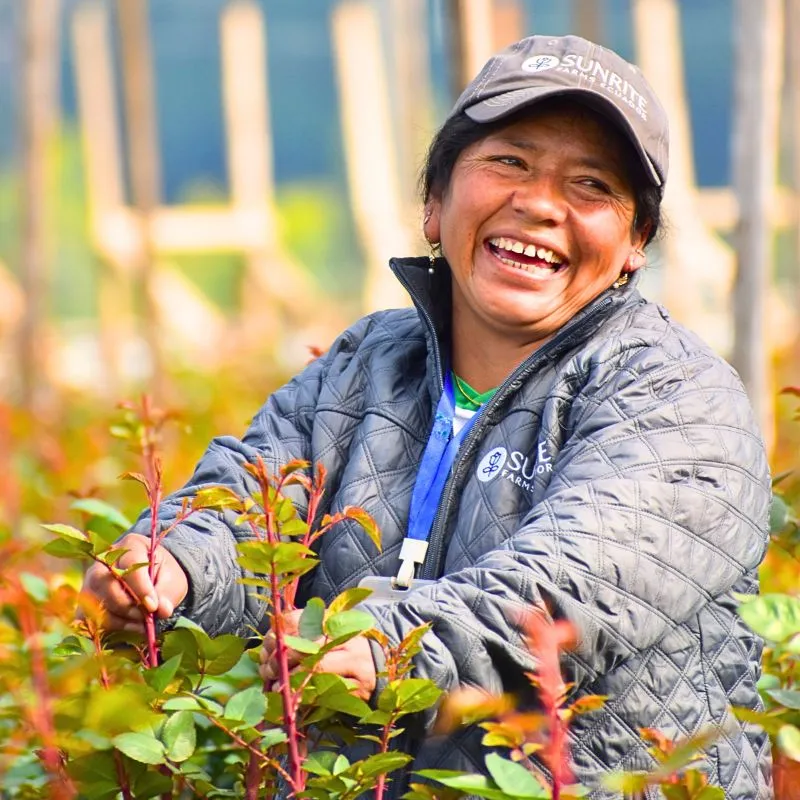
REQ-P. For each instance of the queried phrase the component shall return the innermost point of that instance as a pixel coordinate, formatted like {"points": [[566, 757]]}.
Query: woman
{"points": [[611, 469]]}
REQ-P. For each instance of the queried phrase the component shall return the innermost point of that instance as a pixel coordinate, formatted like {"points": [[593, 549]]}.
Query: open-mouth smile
{"points": [[536, 260]]}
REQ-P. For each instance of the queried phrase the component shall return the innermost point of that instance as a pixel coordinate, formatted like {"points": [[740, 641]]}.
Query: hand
{"points": [[125, 610], [352, 660]]}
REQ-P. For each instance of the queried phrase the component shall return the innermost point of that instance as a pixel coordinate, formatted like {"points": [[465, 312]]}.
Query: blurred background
{"points": [[198, 195]]}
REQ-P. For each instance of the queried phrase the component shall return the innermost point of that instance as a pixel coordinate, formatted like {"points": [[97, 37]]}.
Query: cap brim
{"points": [[502, 105]]}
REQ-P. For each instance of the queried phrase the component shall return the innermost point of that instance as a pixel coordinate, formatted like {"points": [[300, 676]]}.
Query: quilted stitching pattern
{"points": [[633, 499]]}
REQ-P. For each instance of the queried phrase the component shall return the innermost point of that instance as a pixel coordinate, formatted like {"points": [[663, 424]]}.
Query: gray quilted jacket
{"points": [[617, 474]]}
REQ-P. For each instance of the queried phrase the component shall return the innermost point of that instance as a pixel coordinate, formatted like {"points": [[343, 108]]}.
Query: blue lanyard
{"points": [[437, 460]]}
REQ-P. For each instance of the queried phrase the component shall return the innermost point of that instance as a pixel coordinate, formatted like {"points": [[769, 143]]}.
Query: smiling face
{"points": [[536, 222]]}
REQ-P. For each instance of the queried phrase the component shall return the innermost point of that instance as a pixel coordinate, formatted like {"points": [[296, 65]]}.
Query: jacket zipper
{"points": [[431, 565]]}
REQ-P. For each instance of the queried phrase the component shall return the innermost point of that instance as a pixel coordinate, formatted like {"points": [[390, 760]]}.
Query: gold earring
{"points": [[621, 281], [432, 258]]}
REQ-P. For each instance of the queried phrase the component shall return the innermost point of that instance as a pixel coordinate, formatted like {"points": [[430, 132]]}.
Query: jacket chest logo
{"points": [[514, 466]]}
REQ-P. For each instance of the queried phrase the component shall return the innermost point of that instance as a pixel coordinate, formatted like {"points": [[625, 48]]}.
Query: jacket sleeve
{"points": [[205, 544], [657, 504]]}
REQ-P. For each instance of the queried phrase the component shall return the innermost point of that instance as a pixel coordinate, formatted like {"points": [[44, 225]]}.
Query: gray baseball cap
{"points": [[548, 66]]}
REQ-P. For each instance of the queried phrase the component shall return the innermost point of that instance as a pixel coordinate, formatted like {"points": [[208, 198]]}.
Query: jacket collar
{"points": [[432, 296]]}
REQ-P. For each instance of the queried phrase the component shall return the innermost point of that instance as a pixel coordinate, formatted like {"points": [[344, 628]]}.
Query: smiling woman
{"points": [[533, 435]]}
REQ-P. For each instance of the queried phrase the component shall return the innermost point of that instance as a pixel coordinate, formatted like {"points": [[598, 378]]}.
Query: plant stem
{"points": [[122, 778], [380, 786]]}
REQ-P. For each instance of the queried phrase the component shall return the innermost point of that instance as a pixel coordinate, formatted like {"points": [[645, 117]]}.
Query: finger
{"points": [[139, 582], [345, 665], [112, 622], [268, 671], [107, 589], [170, 580], [267, 648]]}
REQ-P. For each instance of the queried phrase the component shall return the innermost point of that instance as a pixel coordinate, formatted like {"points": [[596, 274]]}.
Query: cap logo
{"points": [[540, 63]]}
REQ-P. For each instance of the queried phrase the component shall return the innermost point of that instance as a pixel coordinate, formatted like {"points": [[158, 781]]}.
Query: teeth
{"points": [[514, 246], [531, 268]]}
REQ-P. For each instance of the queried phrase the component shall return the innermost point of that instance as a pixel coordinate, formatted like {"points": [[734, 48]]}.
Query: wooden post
{"points": [[369, 151], [271, 279], [102, 158], [413, 103], [758, 76], [143, 161], [792, 50], [477, 34], [587, 19], [38, 123], [509, 23], [697, 266]]}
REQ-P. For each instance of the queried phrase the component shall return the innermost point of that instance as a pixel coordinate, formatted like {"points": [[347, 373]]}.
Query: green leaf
{"points": [[626, 782], [348, 599], [68, 548], [710, 793], [344, 703], [66, 531], [774, 616], [35, 587], [366, 522], [95, 507], [416, 694], [161, 676], [767, 720], [512, 778], [141, 747], [217, 498], [272, 737], [294, 527], [348, 623], [182, 703], [786, 697], [789, 741], [221, 653], [248, 706], [383, 763], [472, 784], [181, 642], [151, 784], [310, 626], [780, 514], [302, 645], [180, 736], [321, 762]]}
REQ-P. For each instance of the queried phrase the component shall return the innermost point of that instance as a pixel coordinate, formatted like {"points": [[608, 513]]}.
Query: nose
{"points": [[539, 199]]}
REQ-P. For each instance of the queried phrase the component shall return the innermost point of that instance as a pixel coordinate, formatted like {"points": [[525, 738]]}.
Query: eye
{"points": [[596, 184], [510, 161]]}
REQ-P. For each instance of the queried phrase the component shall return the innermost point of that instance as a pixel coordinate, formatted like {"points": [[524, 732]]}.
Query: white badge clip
{"points": [[412, 553]]}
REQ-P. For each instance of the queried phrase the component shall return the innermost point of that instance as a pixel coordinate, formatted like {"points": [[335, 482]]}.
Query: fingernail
{"points": [[150, 603], [168, 607]]}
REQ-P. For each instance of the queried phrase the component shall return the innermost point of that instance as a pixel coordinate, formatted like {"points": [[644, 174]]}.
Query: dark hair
{"points": [[459, 132]]}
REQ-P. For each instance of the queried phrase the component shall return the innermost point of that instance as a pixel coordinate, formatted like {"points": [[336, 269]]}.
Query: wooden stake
{"points": [[509, 23], [369, 152], [119, 245], [587, 19], [758, 80], [792, 50], [38, 121], [143, 161], [698, 269], [477, 34]]}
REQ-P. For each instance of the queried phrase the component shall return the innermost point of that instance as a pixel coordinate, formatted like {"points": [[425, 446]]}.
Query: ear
{"points": [[431, 225], [637, 257]]}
